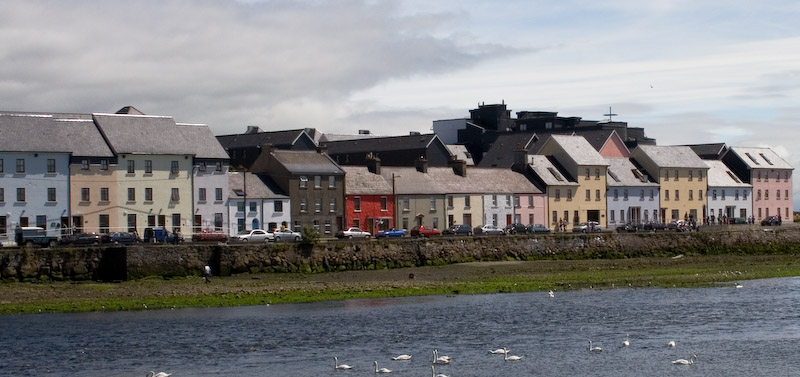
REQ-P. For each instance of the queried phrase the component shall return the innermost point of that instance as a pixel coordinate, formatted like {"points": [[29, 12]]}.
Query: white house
{"points": [[255, 202], [727, 197]]}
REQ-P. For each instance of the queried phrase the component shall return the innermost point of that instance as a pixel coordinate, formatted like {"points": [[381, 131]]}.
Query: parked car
{"points": [[125, 238], [655, 226], [516, 228], [255, 235], [87, 238], [458, 230], [587, 227], [34, 235], [423, 231], [537, 228], [630, 226], [286, 235], [769, 221], [391, 233], [489, 229], [153, 235], [353, 232], [210, 236]]}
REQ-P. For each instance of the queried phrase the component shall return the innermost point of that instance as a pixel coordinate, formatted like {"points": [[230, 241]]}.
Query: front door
{"points": [[593, 215]]}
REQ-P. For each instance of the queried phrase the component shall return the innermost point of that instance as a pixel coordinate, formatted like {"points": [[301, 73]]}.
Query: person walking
{"points": [[207, 273]]}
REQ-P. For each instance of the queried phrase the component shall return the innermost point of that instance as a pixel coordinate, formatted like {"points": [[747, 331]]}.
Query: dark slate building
{"points": [[392, 150], [245, 148]]}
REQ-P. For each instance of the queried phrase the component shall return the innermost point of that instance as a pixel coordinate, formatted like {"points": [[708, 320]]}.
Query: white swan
{"points": [[685, 362], [433, 373], [337, 366], [627, 341], [551, 294], [595, 349], [440, 359], [510, 358], [498, 351], [402, 357], [159, 374], [382, 370], [671, 343], [739, 285]]}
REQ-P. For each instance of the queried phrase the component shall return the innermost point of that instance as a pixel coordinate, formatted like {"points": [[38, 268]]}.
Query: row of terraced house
{"points": [[128, 171]]}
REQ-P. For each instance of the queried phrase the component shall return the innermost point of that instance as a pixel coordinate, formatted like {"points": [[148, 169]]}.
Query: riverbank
{"points": [[460, 278]]}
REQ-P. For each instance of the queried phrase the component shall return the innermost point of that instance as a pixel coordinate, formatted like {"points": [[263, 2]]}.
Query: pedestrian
{"points": [[207, 273]]}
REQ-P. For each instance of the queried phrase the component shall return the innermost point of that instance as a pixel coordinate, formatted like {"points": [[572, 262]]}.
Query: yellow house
{"points": [[682, 177], [558, 187], [580, 164]]}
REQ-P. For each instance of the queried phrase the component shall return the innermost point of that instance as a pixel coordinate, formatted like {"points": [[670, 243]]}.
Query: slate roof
{"points": [[84, 138], [258, 186], [672, 156], [548, 172], [279, 139], [200, 137], [142, 134], [762, 158], [596, 138], [380, 144], [621, 173], [329, 137], [501, 153], [441, 180], [410, 181], [307, 162], [578, 149], [461, 153], [360, 181], [712, 151], [31, 133], [720, 175]]}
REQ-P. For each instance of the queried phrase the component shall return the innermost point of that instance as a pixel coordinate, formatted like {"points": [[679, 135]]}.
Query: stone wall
{"points": [[121, 263]]}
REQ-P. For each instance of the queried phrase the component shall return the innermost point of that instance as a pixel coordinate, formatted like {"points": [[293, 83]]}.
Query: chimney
{"points": [[414, 133], [322, 149], [373, 164], [459, 166], [520, 159], [421, 164], [252, 130], [363, 132]]}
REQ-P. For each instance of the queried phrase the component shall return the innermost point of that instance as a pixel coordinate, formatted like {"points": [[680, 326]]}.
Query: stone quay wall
{"points": [[132, 262]]}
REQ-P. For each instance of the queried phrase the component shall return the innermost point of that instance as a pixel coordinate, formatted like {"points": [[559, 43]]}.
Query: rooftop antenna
{"points": [[610, 114]]}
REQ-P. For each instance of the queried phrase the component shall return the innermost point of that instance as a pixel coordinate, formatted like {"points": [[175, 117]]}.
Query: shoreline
{"points": [[459, 278]]}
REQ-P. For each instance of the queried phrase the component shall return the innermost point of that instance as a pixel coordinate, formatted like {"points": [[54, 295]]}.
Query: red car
{"points": [[423, 231]]}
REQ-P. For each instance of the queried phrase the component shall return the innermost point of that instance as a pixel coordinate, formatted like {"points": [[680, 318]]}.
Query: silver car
{"points": [[255, 235], [286, 236]]}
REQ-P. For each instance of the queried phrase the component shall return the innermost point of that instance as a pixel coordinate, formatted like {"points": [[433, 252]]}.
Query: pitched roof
{"points": [[380, 144], [548, 172], [501, 152], [622, 172], [578, 149], [31, 133], [360, 181], [441, 180], [708, 151], [760, 157], [145, 134], [258, 186], [410, 181], [307, 162], [597, 138], [461, 153], [84, 138], [202, 139], [279, 139], [719, 175], [671, 156]]}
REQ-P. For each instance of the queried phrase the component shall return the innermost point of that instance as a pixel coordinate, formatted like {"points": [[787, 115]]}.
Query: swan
{"points": [[433, 373], [402, 357], [159, 374], [595, 349], [382, 370], [440, 359], [627, 341], [685, 362], [510, 358], [671, 343], [551, 294], [499, 351], [739, 285], [337, 366]]}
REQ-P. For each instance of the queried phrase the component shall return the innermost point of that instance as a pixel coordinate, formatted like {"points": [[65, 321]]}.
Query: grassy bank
{"points": [[465, 278]]}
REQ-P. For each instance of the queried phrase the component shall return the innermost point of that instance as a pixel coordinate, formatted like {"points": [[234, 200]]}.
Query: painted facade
{"points": [[727, 197], [631, 196], [771, 178], [258, 207], [465, 209], [498, 209], [530, 208], [210, 196], [369, 203], [559, 190]]}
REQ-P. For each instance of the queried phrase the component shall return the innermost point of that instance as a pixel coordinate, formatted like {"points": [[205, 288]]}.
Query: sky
{"points": [[688, 72]]}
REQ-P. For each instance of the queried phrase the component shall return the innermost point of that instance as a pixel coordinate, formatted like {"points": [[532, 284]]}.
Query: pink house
{"points": [[770, 175]]}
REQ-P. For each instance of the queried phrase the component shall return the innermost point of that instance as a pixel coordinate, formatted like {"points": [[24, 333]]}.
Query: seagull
{"points": [[433, 373], [337, 366], [684, 361], [402, 357], [671, 343], [382, 370], [159, 374], [551, 294], [510, 358], [499, 351], [627, 341], [594, 349]]}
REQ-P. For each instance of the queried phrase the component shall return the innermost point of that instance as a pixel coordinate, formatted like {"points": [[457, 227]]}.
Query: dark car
{"points": [[772, 220], [655, 226], [630, 227], [538, 228], [391, 233], [516, 228], [458, 230], [89, 238], [125, 238]]}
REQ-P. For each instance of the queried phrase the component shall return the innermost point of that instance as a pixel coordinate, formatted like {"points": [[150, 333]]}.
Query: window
{"points": [[786, 196], [597, 173], [677, 195], [240, 206], [131, 166], [51, 194], [699, 175], [676, 174], [21, 194], [131, 194], [20, 165], [494, 200], [406, 206], [317, 181], [277, 206], [744, 194], [652, 194], [328, 227], [303, 206], [356, 223], [467, 201], [148, 166], [666, 194], [104, 164], [176, 222], [530, 203], [2, 198], [616, 194], [51, 165], [218, 166], [202, 166], [690, 175], [723, 194], [218, 194], [218, 221], [625, 194], [611, 216], [384, 203], [104, 194], [713, 194], [433, 203], [555, 217], [641, 194], [666, 175], [201, 194], [148, 194], [253, 206], [700, 194], [621, 215], [558, 194], [766, 194], [103, 223], [303, 182], [588, 195], [41, 221], [691, 195], [449, 201], [331, 181], [1, 166], [588, 173], [516, 201], [758, 197], [357, 204], [778, 194], [596, 195], [508, 200], [85, 194], [176, 195], [175, 167], [494, 219], [332, 205], [318, 205], [84, 165]]}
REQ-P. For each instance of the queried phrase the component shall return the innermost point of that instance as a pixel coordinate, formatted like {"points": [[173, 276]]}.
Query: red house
{"points": [[369, 203]]}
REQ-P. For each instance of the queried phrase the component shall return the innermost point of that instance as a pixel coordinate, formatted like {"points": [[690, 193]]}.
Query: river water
{"points": [[748, 331]]}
